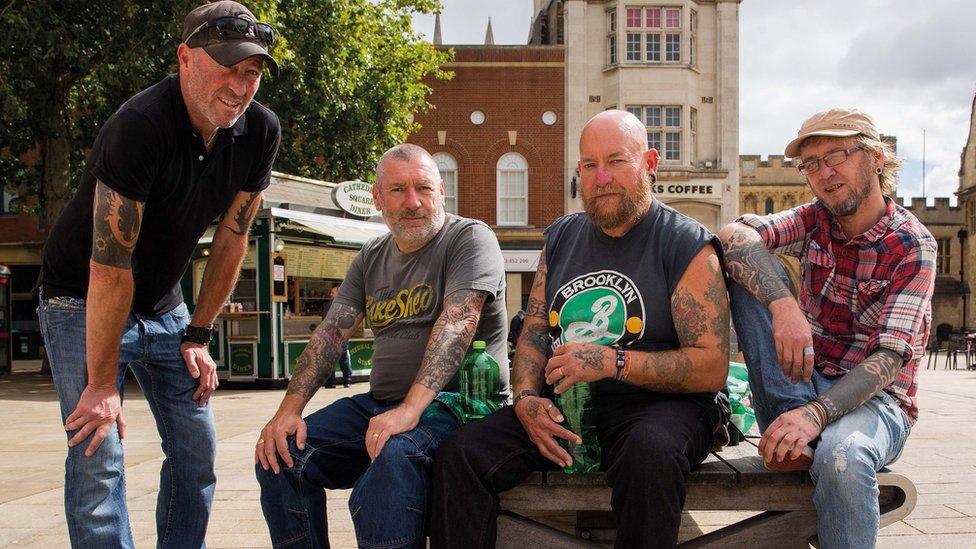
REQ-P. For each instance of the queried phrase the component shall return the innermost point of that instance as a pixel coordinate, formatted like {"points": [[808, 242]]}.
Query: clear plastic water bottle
{"points": [[576, 404], [479, 383]]}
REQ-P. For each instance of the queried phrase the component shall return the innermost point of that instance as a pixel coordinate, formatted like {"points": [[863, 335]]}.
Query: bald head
{"points": [[615, 126]]}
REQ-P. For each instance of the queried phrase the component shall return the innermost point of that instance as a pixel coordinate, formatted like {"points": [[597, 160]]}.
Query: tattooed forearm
{"points": [[663, 371], [751, 265], [861, 384], [325, 347], [241, 222], [536, 308], [531, 355], [450, 338], [115, 227], [540, 273]]}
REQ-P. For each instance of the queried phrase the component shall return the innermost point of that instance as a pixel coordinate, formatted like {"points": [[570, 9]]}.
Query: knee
{"points": [[843, 464], [647, 454]]}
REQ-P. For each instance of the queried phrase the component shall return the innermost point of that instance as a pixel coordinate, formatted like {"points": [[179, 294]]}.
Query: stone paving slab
{"points": [[940, 458]]}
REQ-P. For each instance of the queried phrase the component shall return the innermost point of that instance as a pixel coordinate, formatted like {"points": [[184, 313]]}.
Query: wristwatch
{"points": [[196, 334]]}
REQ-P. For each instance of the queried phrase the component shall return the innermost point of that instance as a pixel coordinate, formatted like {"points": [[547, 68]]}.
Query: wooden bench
{"points": [[733, 480]]}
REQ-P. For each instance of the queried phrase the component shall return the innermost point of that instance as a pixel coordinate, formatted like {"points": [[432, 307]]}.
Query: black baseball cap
{"points": [[228, 48]]}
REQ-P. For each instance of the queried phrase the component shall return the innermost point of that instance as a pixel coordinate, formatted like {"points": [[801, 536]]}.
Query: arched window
{"points": [[512, 173], [769, 206], [448, 168], [751, 204]]}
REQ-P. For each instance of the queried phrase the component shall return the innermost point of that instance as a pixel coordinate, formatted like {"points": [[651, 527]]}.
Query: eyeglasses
{"points": [[237, 28], [835, 158]]}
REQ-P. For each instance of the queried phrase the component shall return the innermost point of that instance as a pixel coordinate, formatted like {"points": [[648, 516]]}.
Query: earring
{"points": [[878, 170]]}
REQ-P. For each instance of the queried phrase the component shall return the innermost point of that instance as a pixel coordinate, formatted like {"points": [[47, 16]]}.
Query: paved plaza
{"points": [[940, 458]]}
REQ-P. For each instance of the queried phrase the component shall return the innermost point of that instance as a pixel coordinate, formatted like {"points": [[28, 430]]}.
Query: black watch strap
{"points": [[196, 334]]}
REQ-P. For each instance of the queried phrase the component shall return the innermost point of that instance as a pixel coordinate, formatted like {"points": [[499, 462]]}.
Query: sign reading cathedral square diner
{"points": [[355, 197]]}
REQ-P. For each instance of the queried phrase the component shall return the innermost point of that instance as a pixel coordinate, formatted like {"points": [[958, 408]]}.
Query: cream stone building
{"points": [[675, 65], [772, 185], [967, 201]]}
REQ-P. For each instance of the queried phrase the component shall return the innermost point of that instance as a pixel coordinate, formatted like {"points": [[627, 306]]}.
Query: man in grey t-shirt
{"points": [[428, 289]]}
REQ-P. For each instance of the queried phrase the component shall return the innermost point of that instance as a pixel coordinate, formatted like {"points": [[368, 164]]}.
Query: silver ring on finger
{"points": [[808, 350], [549, 407]]}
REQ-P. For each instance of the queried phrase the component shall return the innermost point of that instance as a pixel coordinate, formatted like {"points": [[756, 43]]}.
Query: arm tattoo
{"points": [[115, 229], [242, 218], [668, 370], [534, 344], [450, 338], [750, 264], [532, 408], [328, 342], [690, 318], [861, 384]]}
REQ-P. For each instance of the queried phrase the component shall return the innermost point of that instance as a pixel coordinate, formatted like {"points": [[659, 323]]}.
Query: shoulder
{"points": [[573, 221], [676, 225], [909, 232], [262, 118]]}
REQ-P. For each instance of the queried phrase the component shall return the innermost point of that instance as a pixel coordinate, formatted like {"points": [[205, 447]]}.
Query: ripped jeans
{"points": [[850, 450], [389, 496]]}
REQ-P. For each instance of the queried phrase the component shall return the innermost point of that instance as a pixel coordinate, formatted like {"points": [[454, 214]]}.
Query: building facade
{"points": [[674, 65], [772, 185], [967, 201], [496, 131]]}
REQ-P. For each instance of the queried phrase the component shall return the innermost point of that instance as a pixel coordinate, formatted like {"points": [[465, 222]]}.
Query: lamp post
{"points": [[963, 234]]}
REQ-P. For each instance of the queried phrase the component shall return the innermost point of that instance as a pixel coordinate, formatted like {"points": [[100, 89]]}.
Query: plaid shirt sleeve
{"points": [[904, 318], [783, 232]]}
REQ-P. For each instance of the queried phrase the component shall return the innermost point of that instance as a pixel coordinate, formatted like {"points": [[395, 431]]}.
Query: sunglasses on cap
{"points": [[236, 28]]}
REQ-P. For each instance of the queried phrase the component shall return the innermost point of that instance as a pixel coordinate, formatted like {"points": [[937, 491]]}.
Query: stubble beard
{"points": [[859, 191], [630, 206], [416, 237]]}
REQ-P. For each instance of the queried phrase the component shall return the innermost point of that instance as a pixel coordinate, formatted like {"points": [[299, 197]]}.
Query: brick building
{"points": [[497, 133]]}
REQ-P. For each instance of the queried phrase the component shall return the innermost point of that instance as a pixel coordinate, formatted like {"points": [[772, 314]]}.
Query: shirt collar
{"points": [[891, 220]]}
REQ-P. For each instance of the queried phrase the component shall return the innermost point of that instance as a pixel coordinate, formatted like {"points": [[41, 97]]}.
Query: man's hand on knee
{"points": [[391, 422], [273, 440], [97, 409], [789, 434], [541, 418]]}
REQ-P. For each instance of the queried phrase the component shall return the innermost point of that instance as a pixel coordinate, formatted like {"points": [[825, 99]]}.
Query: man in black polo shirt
{"points": [[172, 159]]}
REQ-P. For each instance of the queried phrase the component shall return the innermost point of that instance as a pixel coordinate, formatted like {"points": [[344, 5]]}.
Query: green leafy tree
{"points": [[351, 84], [351, 74]]}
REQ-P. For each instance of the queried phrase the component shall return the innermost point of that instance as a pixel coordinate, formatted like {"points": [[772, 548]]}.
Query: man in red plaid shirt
{"points": [[834, 372]]}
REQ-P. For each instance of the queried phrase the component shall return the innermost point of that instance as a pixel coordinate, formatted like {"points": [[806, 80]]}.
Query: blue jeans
{"points": [[94, 490], [389, 496], [850, 450]]}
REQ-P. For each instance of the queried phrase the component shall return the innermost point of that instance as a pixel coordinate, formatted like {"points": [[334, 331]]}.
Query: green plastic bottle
{"points": [[576, 404], [479, 383]]}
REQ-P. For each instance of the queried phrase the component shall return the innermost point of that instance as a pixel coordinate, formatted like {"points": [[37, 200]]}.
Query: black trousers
{"points": [[650, 443]]}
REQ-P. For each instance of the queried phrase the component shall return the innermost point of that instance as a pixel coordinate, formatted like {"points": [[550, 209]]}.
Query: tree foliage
{"points": [[351, 84], [351, 75]]}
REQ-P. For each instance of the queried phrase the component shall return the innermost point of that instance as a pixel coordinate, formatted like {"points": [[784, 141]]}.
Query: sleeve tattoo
{"points": [[241, 222], [860, 385], [328, 342], [115, 227], [701, 321], [450, 338], [751, 265], [533, 347]]}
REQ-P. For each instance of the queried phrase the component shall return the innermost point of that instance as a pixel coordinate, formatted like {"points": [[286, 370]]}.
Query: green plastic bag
{"points": [[740, 397]]}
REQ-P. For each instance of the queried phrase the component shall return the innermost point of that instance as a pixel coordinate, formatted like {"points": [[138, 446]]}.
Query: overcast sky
{"points": [[910, 64]]}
